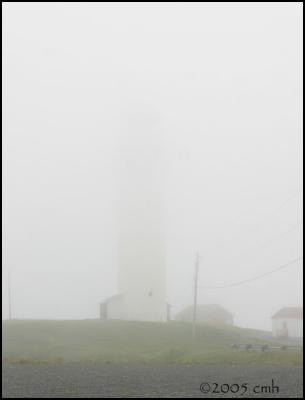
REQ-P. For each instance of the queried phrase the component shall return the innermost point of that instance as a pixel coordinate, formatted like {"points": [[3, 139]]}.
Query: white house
{"points": [[288, 322]]}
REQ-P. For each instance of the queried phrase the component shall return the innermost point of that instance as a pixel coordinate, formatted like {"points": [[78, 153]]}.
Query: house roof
{"points": [[289, 312]]}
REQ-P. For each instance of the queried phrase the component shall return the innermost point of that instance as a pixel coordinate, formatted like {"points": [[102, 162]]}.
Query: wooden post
{"points": [[9, 297], [195, 295]]}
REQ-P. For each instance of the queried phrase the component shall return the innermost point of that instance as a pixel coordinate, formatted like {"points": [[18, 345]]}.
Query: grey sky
{"points": [[225, 79]]}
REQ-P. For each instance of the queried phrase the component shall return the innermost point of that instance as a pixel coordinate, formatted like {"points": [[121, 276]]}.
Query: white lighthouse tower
{"points": [[141, 241]]}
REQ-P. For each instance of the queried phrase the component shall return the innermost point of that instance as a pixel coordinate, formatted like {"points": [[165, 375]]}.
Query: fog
{"points": [[216, 87]]}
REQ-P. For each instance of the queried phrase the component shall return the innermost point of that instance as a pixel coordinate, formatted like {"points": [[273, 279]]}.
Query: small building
{"points": [[111, 308], [206, 313], [288, 322]]}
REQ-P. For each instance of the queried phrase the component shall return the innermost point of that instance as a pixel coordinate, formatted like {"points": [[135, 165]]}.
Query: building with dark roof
{"points": [[206, 313]]}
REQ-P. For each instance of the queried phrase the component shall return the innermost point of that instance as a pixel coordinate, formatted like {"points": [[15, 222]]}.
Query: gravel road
{"points": [[149, 380]]}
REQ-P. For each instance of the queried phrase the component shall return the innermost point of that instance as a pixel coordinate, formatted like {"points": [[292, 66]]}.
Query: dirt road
{"points": [[149, 380]]}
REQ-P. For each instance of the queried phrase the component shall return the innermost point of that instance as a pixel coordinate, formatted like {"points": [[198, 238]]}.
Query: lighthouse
{"points": [[141, 237]]}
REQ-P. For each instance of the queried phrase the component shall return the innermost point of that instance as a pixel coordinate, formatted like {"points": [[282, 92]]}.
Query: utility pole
{"points": [[195, 294], [9, 297]]}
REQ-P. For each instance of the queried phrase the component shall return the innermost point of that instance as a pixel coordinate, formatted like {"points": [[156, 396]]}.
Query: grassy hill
{"points": [[118, 341]]}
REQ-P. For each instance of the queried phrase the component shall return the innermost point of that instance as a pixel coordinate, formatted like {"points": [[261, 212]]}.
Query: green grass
{"points": [[38, 341]]}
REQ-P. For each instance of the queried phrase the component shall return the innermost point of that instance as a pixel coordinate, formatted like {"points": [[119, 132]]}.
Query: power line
{"points": [[292, 197], [274, 211], [255, 277], [270, 240]]}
